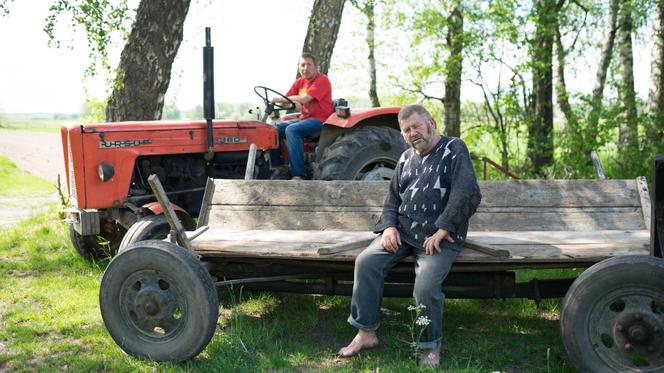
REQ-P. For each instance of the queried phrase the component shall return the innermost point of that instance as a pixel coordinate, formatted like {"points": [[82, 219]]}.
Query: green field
{"points": [[36, 125], [16, 183]]}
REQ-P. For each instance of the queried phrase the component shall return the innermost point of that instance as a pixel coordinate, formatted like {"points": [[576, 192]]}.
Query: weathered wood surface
{"points": [[537, 221], [524, 247], [354, 219], [522, 193]]}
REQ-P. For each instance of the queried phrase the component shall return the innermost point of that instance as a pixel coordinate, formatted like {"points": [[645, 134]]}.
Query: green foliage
{"points": [[94, 111], [100, 20], [4, 7]]}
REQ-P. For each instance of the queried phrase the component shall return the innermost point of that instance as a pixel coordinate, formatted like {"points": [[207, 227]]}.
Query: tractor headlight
{"points": [[105, 171]]}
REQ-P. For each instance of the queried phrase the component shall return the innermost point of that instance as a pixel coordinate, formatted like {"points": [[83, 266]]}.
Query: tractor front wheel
{"points": [[97, 246], [366, 153]]}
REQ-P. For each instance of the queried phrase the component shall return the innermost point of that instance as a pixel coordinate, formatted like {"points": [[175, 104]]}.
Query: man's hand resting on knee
{"points": [[432, 242], [390, 240]]}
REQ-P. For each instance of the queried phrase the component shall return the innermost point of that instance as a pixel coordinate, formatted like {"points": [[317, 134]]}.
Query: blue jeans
{"points": [[294, 132], [373, 264]]}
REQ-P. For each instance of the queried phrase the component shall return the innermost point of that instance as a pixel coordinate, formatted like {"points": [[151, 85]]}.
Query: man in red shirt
{"points": [[312, 95]]}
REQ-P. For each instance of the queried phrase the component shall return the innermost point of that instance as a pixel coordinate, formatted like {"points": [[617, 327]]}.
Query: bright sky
{"points": [[256, 42]]}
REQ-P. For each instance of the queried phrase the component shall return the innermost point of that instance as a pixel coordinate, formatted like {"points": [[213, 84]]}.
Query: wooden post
{"points": [[169, 213], [598, 165], [251, 162], [657, 213]]}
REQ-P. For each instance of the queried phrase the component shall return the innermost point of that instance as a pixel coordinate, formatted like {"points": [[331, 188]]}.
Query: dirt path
{"points": [[38, 153]]}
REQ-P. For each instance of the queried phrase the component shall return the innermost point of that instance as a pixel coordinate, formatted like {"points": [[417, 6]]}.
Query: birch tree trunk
{"points": [[569, 118], [368, 11], [452, 101], [540, 137], [144, 72], [656, 94], [628, 132], [322, 32], [590, 133]]}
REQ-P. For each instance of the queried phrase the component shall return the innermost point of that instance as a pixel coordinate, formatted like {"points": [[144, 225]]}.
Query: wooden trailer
{"points": [[159, 301]]}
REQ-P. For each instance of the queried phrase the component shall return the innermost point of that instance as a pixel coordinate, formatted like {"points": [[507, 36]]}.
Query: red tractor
{"points": [[107, 164]]}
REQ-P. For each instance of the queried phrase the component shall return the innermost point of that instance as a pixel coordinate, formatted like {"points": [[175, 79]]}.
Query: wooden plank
{"points": [[344, 246], [486, 249], [306, 192], [489, 238], [558, 237], [644, 197], [203, 215], [281, 217], [285, 218], [524, 193], [165, 203], [304, 236], [558, 221], [519, 253]]}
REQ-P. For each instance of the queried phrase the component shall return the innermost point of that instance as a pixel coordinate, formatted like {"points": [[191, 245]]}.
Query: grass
{"points": [[16, 183], [50, 320], [35, 125]]}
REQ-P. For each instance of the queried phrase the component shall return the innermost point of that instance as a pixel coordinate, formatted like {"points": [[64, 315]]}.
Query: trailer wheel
{"points": [[613, 316], [158, 302], [366, 153], [97, 246]]}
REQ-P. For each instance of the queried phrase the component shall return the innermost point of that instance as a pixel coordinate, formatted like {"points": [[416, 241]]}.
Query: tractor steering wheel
{"points": [[268, 103]]}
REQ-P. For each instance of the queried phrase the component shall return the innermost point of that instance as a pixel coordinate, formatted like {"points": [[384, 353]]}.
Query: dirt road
{"points": [[38, 153]]}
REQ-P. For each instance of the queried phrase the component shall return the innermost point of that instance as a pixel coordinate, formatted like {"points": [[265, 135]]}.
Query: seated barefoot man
{"points": [[432, 195], [312, 95]]}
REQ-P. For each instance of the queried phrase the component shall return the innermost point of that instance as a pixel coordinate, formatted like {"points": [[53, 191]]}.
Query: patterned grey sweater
{"points": [[438, 190]]}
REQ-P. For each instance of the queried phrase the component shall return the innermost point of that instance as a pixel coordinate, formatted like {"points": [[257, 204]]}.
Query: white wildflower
{"points": [[422, 321]]}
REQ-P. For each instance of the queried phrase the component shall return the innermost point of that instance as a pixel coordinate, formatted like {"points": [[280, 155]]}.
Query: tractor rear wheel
{"points": [[366, 153], [158, 302]]}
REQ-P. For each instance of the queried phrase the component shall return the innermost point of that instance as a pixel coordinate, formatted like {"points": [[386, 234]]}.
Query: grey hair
{"points": [[409, 110]]}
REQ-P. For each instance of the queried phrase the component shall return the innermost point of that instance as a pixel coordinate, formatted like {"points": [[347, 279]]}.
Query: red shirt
{"points": [[321, 90]]}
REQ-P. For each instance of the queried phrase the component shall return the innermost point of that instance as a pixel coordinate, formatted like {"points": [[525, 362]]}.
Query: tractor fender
{"points": [[335, 126], [186, 219]]}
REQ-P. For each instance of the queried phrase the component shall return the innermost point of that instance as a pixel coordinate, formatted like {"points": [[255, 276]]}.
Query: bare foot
{"points": [[430, 358], [363, 339]]}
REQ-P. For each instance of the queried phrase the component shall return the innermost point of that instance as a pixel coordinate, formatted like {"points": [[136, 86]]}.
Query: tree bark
{"points": [[452, 101], [540, 137], [146, 60], [562, 96], [368, 11], [590, 135], [628, 132], [656, 94], [322, 32]]}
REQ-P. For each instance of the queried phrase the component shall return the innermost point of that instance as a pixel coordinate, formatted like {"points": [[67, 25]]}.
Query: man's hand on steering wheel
{"points": [[279, 102]]}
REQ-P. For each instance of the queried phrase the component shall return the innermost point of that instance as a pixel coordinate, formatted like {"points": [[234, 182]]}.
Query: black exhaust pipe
{"points": [[208, 92]]}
